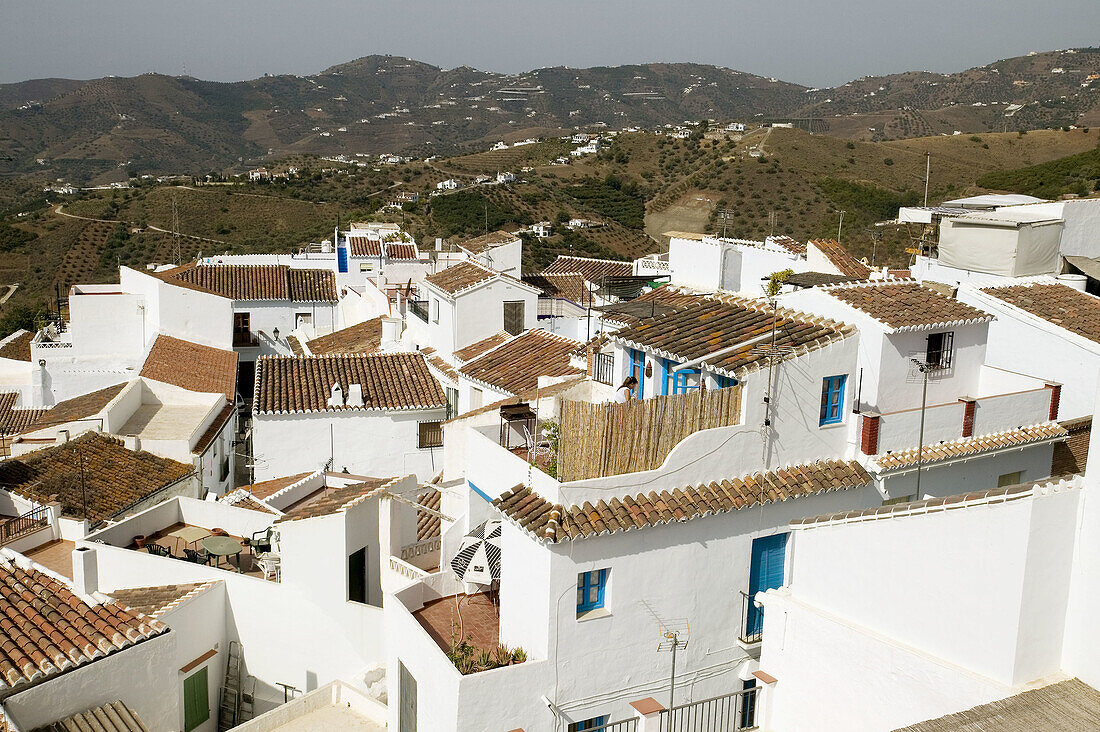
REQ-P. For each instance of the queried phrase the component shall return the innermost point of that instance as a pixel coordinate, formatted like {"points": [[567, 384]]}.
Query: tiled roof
{"points": [[436, 361], [482, 243], [12, 420], [817, 279], [335, 500], [713, 323], [1068, 706], [592, 270], [571, 286], [558, 387], [80, 407], [363, 337], [295, 346], [267, 488], [46, 629], [556, 523], [1076, 311], [215, 427], [474, 350], [286, 384], [660, 301], [908, 305], [517, 364], [428, 525], [17, 346], [403, 252], [154, 601], [461, 276], [970, 445], [192, 366], [113, 717], [114, 477], [362, 246], [258, 281], [845, 263], [786, 242]]}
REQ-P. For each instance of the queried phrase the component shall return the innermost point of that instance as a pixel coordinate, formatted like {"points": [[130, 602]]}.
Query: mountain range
{"points": [[108, 128]]}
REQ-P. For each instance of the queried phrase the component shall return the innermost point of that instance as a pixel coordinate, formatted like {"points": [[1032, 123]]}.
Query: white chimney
{"points": [[355, 395], [62, 436], [85, 571], [131, 442], [337, 398]]}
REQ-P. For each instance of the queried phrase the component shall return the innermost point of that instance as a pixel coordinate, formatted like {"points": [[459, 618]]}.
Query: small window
{"points": [[476, 398], [1010, 479], [513, 317], [940, 347], [832, 399], [686, 380], [357, 576], [590, 590], [452, 401], [241, 324], [431, 434], [595, 724], [196, 706], [301, 319], [435, 310]]}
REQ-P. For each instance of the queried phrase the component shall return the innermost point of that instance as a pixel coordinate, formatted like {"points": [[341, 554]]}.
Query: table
{"points": [[223, 546], [189, 534]]}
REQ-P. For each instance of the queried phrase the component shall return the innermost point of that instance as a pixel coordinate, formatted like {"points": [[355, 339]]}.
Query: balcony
{"points": [[752, 625], [245, 339], [419, 308]]}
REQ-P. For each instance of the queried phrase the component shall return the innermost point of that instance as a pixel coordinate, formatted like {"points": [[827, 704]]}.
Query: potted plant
{"points": [[139, 541]]}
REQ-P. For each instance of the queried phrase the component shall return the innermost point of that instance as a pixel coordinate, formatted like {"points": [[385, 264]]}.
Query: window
{"points": [[513, 317], [748, 705], [476, 398], [452, 401], [242, 328], [301, 319], [588, 725], [724, 382], [685, 380], [1010, 479], [366, 267], [637, 369], [357, 576], [832, 399], [766, 571], [940, 346], [435, 310], [431, 434], [196, 707], [590, 590]]}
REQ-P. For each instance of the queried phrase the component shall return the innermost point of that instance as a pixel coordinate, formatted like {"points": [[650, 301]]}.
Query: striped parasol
{"points": [[478, 557]]}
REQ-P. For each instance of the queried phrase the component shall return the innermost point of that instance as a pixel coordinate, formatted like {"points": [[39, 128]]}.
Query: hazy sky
{"points": [[814, 42]]}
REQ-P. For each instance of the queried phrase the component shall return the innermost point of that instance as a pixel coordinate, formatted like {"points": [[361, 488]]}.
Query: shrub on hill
{"points": [[468, 212], [612, 197], [1079, 174], [867, 201]]}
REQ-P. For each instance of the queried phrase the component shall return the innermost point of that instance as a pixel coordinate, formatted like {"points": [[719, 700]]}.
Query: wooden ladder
{"points": [[229, 711]]}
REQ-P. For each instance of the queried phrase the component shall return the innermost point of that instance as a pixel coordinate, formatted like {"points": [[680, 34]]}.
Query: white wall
{"points": [[366, 442], [977, 473], [198, 625]]}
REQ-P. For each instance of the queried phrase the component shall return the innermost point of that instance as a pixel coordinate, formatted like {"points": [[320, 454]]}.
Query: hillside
{"points": [[105, 129]]}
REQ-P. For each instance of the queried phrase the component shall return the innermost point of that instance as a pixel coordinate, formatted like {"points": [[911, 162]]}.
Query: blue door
{"points": [[765, 573], [342, 259], [637, 369]]}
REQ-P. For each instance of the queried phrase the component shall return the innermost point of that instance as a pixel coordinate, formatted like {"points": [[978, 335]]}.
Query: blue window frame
{"points": [[588, 725], [724, 382], [681, 383], [765, 573], [832, 399], [342, 259], [637, 369], [590, 589], [666, 376]]}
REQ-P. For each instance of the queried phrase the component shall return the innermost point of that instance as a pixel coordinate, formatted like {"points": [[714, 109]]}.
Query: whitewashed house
{"points": [[368, 414], [504, 365], [500, 251], [448, 185], [468, 302]]}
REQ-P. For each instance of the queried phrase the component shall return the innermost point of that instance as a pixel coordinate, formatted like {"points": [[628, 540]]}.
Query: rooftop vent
{"points": [[355, 395], [337, 397]]}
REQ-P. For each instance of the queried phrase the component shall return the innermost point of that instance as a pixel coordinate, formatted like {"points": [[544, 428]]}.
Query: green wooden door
{"points": [[196, 706]]}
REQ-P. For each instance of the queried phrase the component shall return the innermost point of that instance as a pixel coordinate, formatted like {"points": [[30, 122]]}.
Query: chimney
{"points": [[132, 442], [85, 571], [62, 436], [337, 398], [355, 395]]}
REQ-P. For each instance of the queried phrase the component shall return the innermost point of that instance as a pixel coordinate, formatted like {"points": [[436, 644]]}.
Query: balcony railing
{"points": [[245, 339], [728, 713], [626, 725], [752, 620], [419, 308], [603, 366], [21, 526]]}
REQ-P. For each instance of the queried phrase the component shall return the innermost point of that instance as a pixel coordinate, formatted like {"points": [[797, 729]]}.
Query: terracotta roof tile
{"points": [[388, 380], [462, 276], [788, 243], [841, 259], [428, 525], [363, 337], [437, 362], [154, 601], [113, 717], [907, 304], [46, 629], [712, 323], [12, 420], [529, 395], [114, 477], [192, 366], [17, 346], [227, 413], [295, 346], [80, 407], [474, 350], [483, 243], [555, 523], [257, 281], [401, 252], [970, 445], [362, 246], [593, 270], [267, 488], [517, 364], [1076, 311], [240, 499], [335, 500]]}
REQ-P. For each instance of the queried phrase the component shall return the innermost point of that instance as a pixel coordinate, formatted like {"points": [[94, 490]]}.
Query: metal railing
{"points": [[626, 725], [28, 523], [752, 620], [727, 713], [419, 308], [603, 366]]}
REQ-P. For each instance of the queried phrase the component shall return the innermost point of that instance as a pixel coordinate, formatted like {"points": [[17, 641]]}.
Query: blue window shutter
{"points": [[765, 573], [637, 369], [832, 399]]}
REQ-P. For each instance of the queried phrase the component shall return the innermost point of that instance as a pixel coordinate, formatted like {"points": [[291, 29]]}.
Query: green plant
{"points": [[503, 655], [519, 655], [888, 161], [552, 432], [776, 280], [484, 659]]}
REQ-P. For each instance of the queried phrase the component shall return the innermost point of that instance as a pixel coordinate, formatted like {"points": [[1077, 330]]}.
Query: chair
{"points": [[269, 564], [197, 556], [158, 550], [261, 540]]}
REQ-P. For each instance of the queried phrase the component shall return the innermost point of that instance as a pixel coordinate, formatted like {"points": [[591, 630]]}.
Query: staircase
{"points": [[237, 693]]}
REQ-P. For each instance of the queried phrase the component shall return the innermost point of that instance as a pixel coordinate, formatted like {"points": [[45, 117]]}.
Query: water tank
{"points": [[1076, 281]]}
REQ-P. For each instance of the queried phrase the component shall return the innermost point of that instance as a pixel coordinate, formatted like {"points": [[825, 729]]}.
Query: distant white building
{"points": [[448, 185]]}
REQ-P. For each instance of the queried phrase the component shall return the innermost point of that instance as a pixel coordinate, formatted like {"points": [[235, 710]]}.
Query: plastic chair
{"points": [[158, 550], [197, 556]]}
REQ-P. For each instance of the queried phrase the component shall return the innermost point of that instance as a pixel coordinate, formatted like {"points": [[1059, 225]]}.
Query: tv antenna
{"points": [[773, 352], [675, 635], [725, 214]]}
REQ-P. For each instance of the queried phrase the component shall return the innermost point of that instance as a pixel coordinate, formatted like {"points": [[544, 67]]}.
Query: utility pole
{"points": [[927, 173], [83, 490], [725, 214], [924, 368], [176, 230], [840, 226]]}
